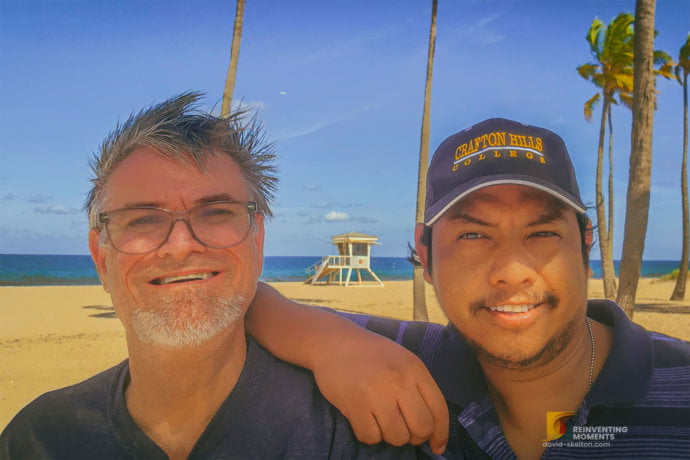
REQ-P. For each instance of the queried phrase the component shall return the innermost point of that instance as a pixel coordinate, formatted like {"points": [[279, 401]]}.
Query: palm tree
{"points": [[612, 72], [419, 310], [234, 57], [639, 178], [682, 70]]}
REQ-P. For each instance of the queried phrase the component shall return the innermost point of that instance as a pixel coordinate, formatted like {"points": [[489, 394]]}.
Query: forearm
{"points": [[384, 390], [295, 332]]}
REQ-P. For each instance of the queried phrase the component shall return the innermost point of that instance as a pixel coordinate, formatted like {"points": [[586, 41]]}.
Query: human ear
{"points": [[259, 233], [98, 256], [589, 235], [422, 247]]}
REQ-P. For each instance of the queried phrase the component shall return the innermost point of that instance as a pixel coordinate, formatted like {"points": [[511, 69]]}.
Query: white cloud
{"points": [[481, 33], [55, 209], [248, 106], [283, 93], [337, 216], [325, 123], [38, 199], [365, 220]]}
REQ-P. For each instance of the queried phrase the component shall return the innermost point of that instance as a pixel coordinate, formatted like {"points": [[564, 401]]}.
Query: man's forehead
{"points": [[147, 170], [499, 195]]}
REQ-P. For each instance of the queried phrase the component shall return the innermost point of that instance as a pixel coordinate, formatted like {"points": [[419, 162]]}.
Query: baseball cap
{"points": [[498, 151]]}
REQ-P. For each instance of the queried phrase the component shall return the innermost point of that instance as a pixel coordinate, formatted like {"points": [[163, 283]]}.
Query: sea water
{"points": [[51, 270]]}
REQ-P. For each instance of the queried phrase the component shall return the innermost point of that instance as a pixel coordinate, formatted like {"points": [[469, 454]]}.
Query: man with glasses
{"points": [[177, 214]]}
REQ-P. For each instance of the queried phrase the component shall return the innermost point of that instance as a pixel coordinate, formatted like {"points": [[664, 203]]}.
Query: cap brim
{"points": [[466, 189]]}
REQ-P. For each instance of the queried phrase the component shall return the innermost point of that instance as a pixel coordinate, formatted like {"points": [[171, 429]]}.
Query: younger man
{"points": [[529, 367]]}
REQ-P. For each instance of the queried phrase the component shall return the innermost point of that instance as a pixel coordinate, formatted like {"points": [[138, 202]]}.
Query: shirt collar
{"points": [[626, 375]]}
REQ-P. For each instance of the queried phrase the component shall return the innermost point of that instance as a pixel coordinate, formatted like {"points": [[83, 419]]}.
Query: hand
{"points": [[385, 392]]}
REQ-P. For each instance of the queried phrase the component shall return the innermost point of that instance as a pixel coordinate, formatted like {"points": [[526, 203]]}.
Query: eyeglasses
{"points": [[220, 224]]}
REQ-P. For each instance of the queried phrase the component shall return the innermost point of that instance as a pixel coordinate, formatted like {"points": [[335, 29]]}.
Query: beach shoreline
{"points": [[54, 336]]}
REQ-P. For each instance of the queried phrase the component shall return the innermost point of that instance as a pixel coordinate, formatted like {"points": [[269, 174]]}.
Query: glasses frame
{"points": [[104, 223]]}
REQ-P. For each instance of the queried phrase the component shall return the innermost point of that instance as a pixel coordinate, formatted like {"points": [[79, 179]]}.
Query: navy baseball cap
{"points": [[498, 152]]}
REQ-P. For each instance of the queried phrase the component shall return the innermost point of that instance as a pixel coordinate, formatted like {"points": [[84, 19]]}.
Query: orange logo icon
{"points": [[556, 424]]}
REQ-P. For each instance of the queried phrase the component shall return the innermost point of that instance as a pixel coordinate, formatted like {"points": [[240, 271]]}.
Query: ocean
{"points": [[55, 270]]}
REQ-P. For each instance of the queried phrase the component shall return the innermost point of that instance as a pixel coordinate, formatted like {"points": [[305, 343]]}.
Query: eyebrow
{"points": [[216, 197], [555, 213], [203, 200], [463, 216], [143, 204]]}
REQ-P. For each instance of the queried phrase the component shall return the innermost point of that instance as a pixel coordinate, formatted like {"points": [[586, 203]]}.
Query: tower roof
{"points": [[356, 237]]}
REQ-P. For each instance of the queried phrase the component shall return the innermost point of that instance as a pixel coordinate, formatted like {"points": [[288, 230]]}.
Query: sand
{"points": [[51, 337]]}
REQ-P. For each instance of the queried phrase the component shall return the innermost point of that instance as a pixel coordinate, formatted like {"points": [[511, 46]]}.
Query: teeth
{"points": [[183, 278], [513, 308]]}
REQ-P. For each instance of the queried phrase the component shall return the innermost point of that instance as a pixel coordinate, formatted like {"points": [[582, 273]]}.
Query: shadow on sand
{"points": [[108, 311], [663, 308]]}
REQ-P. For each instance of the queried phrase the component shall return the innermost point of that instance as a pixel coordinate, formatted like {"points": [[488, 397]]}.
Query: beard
{"points": [[517, 359], [187, 319]]}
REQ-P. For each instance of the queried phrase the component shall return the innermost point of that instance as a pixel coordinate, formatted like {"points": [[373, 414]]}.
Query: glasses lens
{"points": [[220, 225], [142, 230], [137, 231]]}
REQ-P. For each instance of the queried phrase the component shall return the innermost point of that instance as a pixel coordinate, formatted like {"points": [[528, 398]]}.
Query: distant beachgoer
{"points": [[529, 367], [177, 214]]}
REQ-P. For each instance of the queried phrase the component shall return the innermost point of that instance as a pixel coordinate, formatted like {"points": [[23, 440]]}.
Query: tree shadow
{"points": [[663, 308], [108, 311], [313, 301]]}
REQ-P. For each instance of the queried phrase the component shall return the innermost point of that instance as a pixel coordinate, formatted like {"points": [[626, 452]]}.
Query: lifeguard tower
{"points": [[354, 250]]}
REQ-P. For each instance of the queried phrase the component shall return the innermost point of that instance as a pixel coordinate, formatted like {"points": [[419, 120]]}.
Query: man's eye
{"points": [[211, 212], [145, 220], [471, 236], [544, 234]]}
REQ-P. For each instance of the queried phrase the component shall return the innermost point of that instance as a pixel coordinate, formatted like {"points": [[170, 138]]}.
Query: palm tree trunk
{"points": [[639, 178], [419, 310], [610, 221], [234, 57], [607, 268], [679, 290]]}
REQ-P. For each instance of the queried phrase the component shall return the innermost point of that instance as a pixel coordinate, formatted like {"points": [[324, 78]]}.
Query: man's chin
{"points": [[522, 359], [512, 361], [186, 323]]}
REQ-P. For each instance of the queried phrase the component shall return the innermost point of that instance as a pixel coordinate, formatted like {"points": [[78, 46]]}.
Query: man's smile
{"points": [[515, 311], [522, 308], [184, 278]]}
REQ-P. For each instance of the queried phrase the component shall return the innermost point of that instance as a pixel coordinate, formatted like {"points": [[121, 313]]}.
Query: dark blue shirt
{"points": [[638, 407], [274, 411]]}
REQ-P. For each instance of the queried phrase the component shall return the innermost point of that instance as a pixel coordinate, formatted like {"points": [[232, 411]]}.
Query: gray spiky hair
{"points": [[179, 130]]}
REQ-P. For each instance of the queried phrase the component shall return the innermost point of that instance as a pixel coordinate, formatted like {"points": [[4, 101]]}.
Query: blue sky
{"points": [[339, 85]]}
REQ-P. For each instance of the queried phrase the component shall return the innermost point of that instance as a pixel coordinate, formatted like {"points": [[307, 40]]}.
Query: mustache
{"points": [[500, 297]]}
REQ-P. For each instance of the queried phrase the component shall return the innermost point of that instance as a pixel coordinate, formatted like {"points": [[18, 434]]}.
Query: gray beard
{"points": [[167, 325]]}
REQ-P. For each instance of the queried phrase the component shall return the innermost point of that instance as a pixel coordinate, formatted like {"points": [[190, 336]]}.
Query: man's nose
{"points": [[180, 242], [512, 265]]}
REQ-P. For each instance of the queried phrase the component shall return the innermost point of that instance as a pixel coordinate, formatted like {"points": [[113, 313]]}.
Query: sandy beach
{"points": [[51, 337]]}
